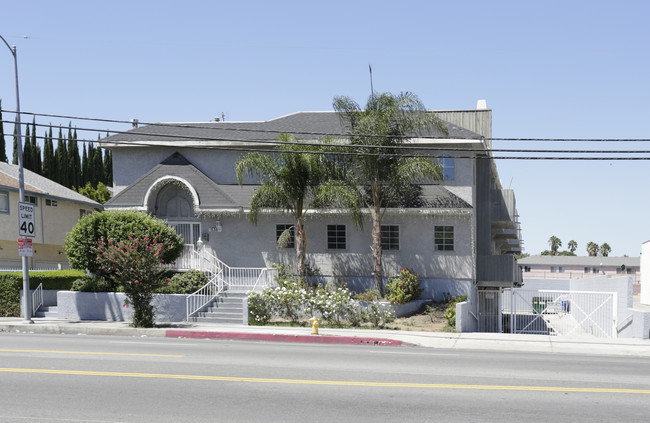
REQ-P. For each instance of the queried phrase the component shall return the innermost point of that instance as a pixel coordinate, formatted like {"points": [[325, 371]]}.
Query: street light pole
{"points": [[27, 298]]}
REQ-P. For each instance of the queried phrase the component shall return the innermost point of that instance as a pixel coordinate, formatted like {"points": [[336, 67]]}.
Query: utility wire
{"points": [[271, 131], [175, 138]]}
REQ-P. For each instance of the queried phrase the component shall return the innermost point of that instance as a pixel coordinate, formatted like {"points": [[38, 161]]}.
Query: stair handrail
{"points": [[37, 298], [265, 275], [200, 298]]}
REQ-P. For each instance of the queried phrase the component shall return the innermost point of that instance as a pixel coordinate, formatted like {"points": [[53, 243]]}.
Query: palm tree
{"points": [[380, 175], [573, 246], [592, 249], [555, 244], [294, 181], [605, 249]]}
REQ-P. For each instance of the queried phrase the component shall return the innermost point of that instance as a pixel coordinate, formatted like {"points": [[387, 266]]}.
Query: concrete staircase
{"points": [[47, 311], [230, 307]]}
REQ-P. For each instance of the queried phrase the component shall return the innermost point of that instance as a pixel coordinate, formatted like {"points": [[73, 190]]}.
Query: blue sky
{"points": [[553, 69]]}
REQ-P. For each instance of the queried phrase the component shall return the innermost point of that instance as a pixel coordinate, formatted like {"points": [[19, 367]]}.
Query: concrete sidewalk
{"points": [[443, 340]]}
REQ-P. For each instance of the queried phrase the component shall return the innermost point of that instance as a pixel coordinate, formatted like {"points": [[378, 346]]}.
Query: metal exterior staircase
{"points": [[224, 298]]}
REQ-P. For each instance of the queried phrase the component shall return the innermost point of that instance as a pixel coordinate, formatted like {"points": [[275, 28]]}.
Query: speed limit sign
{"points": [[26, 220]]}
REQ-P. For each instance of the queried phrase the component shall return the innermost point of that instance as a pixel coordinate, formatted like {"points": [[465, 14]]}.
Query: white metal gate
{"points": [[191, 233], [559, 313], [489, 312]]}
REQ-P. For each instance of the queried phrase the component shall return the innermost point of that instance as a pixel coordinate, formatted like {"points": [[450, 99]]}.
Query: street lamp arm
{"points": [[12, 49]]}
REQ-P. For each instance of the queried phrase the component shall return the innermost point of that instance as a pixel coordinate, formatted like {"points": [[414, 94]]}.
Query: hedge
{"points": [[12, 282]]}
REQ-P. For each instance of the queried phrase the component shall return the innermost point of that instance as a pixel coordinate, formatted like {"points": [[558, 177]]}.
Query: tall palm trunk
{"points": [[375, 213], [378, 269], [301, 249]]}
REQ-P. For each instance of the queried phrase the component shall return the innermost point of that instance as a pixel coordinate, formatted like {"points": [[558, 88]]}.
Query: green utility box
{"points": [[540, 303]]}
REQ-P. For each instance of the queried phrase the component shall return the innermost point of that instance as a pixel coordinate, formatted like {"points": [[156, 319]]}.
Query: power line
{"points": [[271, 131], [384, 155], [175, 138]]}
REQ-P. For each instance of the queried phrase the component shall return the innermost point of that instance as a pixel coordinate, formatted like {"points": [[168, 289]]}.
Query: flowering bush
{"points": [[404, 287], [135, 265], [260, 308], [294, 302]]}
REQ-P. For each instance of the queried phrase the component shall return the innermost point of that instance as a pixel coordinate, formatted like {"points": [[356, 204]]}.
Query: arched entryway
{"points": [[175, 200]]}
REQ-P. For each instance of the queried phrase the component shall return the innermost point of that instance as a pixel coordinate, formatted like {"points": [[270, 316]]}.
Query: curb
{"points": [[268, 337]]}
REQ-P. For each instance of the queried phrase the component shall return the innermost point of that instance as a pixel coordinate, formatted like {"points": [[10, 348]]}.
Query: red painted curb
{"points": [[314, 339]]}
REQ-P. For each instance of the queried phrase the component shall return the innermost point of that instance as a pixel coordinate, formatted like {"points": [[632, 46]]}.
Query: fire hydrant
{"points": [[314, 325]]}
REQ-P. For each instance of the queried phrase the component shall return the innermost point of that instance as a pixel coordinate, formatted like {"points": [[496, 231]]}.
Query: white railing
{"points": [[222, 277], [233, 278], [186, 261], [265, 279], [37, 298], [199, 299], [560, 313]]}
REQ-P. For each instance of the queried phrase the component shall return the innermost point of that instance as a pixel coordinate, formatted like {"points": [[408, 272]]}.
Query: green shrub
{"points": [[94, 284], [368, 295], [404, 287], [450, 313], [185, 283], [12, 282], [378, 316], [119, 226]]}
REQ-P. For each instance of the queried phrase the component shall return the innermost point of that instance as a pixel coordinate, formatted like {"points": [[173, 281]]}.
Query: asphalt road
{"points": [[63, 378]]}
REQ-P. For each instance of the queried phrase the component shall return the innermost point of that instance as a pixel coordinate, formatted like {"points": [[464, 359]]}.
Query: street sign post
{"points": [[26, 220]]}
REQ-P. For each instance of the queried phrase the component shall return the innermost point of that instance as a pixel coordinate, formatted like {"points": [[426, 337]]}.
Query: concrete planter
{"points": [[109, 306]]}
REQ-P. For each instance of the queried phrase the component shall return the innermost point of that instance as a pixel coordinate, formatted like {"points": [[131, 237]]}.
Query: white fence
{"points": [[559, 313]]}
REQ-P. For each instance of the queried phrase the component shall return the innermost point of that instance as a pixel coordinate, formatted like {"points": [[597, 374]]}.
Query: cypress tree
{"points": [[77, 160], [48, 155], [27, 150], [84, 167], [108, 168], [91, 169], [3, 146], [98, 165], [37, 161], [61, 157]]}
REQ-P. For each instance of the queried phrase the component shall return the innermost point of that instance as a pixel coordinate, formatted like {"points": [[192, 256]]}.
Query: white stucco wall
{"points": [[645, 273], [242, 244]]}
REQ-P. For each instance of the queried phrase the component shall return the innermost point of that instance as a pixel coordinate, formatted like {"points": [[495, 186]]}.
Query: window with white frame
{"points": [[443, 238], [84, 212], [389, 237], [31, 199], [4, 202], [336, 237], [280, 229], [51, 203]]}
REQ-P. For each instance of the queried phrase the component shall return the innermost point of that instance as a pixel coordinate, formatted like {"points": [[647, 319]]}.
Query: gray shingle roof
{"points": [[586, 261], [227, 196], [304, 125], [40, 186]]}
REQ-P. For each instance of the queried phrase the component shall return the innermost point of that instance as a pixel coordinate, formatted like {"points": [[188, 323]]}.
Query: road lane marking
{"points": [[91, 353], [328, 382]]}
